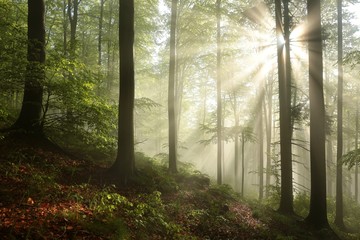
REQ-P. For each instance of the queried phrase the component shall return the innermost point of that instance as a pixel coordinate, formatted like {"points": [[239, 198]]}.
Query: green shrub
{"points": [[107, 203], [150, 217], [153, 175], [301, 204]]}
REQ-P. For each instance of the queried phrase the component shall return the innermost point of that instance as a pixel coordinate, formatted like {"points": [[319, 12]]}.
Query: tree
{"points": [[268, 127], [72, 11], [261, 152], [357, 147], [101, 20], [31, 110], [246, 136], [124, 165], [286, 196], [171, 91], [218, 88], [339, 213], [317, 214]]}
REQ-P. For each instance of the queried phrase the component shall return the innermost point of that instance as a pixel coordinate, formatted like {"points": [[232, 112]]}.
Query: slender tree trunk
{"points": [[179, 91], [31, 110], [171, 92], [339, 213], [73, 8], [329, 142], [101, 19], [268, 136], [356, 147], [317, 214], [65, 28], [242, 164], [329, 156], [286, 198], [124, 165], [261, 154], [218, 87], [236, 143], [110, 53]]}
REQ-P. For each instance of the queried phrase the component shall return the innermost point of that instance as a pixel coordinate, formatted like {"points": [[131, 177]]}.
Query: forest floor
{"points": [[45, 194]]}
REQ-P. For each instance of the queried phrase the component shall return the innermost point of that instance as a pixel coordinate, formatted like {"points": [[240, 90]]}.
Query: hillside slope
{"points": [[45, 194]]}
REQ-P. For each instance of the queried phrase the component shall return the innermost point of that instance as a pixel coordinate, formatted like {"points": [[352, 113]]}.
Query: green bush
{"points": [[301, 204], [107, 202]]}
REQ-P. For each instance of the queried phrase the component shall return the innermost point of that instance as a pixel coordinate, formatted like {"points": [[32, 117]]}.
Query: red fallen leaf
{"points": [[69, 228]]}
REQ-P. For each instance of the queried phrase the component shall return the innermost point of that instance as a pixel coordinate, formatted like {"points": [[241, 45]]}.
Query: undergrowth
{"points": [[48, 195]]}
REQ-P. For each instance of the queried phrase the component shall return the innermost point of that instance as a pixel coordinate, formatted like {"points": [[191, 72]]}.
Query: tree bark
{"points": [[65, 28], [171, 91], [101, 19], [286, 196], [31, 111], [218, 88], [268, 136], [356, 147], [236, 142], [339, 213], [124, 165], [261, 153], [73, 8], [242, 164], [317, 217]]}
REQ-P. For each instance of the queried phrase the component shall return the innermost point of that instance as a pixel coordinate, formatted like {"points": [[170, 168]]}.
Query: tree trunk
{"points": [[110, 52], [171, 92], [339, 213], [261, 153], [100, 31], [286, 196], [73, 7], [236, 143], [268, 136], [218, 88], [124, 165], [329, 160], [31, 110], [65, 28], [356, 147], [317, 214], [242, 164]]}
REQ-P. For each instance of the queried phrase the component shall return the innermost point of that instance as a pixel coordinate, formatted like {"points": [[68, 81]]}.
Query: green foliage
{"points": [[351, 213], [75, 115], [13, 45], [106, 202], [351, 158], [274, 189], [153, 175], [301, 204], [114, 228], [150, 217], [229, 133], [146, 213], [145, 103], [352, 58]]}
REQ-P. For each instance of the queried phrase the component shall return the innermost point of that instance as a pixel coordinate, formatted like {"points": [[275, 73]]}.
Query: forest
{"points": [[179, 119]]}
